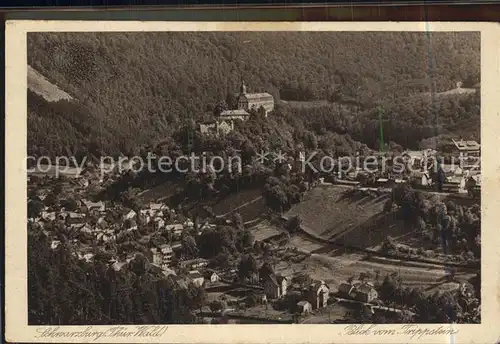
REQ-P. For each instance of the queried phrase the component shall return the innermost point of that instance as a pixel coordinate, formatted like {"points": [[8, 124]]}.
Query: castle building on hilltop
{"points": [[224, 123], [249, 101]]}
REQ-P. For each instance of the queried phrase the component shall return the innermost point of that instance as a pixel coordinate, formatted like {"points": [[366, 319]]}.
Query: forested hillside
{"points": [[138, 87]]}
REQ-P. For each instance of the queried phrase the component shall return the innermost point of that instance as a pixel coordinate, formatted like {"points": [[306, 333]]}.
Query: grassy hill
{"points": [[140, 86]]}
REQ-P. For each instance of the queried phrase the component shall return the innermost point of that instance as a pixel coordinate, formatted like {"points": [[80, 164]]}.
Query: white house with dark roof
{"points": [[196, 278], [304, 307], [319, 293], [358, 290], [463, 148], [275, 286]]}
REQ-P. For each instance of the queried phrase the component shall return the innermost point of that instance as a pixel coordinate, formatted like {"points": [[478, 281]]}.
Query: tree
{"points": [[251, 300], [238, 221], [216, 306], [196, 296], [70, 204], [219, 240], [221, 260], [388, 206], [247, 266], [35, 207], [388, 289], [293, 224], [244, 240], [189, 247], [265, 271]]}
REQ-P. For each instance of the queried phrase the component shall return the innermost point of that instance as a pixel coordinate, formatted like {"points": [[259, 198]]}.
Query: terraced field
{"points": [[331, 211]]}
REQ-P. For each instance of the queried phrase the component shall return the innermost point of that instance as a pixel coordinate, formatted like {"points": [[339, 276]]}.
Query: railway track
{"points": [[393, 259]]}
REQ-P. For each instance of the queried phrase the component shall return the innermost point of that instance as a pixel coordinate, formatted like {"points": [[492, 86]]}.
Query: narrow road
{"points": [[239, 207]]}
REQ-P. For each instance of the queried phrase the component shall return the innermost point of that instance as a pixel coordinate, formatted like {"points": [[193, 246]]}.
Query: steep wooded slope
{"points": [[142, 85]]}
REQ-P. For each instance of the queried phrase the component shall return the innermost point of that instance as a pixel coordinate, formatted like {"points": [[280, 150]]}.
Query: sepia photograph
{"points": [[253, 177]]}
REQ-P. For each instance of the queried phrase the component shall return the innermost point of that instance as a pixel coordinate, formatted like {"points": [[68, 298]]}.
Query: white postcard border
{"points": [[17, 329]]}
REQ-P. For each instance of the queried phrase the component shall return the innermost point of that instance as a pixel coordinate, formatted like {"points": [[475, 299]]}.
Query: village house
{"points": [[105, 237], [75, 218], [421, 178], [175, 227], [304, 307], [55, 244], [84, 254], [384, 183], [176, 246], [196, 278], [176, 230], [357, 290], [212, 276], [194, 263], [118, 266], [167, 254], [179, 281], [413, 158], [450, 170], [159, 223], [157, 206], [94, 206], [275, 286], [461, 148], [155, 257], [215, 127], [129, 215], [455, 184], [82, 183], [48, 216], [473, 184], [365, 292], [319, 293], [188, 223]]}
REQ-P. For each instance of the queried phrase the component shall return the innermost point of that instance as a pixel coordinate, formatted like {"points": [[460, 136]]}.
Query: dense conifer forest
{"points": [[136, 89]]}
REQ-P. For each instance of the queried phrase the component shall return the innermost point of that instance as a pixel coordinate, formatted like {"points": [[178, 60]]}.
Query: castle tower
{"points": [[243, 88]]}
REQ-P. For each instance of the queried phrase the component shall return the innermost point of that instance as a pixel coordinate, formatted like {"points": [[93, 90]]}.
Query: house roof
{"points": [[477, 179], [317, 284], [209, 273], [272, 279], [238, 112], [419, 174], [364, 288], [466, 145], [177, 226], [74, 215], [454, 180], [195, 275], [181, 282], [414, 154], [193, 261], [255, 96], [117, 266], [449, 168], [155, 206]]}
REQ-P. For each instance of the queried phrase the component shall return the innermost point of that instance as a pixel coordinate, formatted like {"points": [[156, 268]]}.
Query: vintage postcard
{"points": [[224, 182]]}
